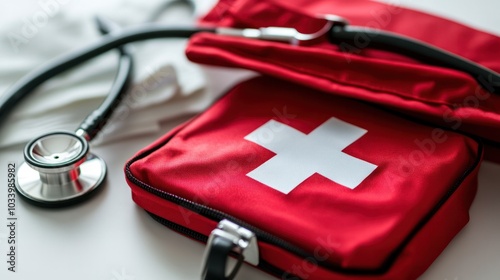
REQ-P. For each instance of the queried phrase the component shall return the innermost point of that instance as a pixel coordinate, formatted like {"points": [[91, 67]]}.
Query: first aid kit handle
{"points": [[216, 266], [362, 37]]}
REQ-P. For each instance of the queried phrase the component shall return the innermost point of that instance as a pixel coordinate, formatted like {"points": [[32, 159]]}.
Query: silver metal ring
{"points": [[58, 170]]}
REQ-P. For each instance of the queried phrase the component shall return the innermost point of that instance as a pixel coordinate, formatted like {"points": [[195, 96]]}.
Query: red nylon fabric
{"points": [[207, 159], [413, 260], [443, 96], [465, 41]]}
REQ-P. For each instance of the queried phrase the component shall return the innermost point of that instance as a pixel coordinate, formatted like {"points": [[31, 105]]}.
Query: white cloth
{"points": [[166, 84]]}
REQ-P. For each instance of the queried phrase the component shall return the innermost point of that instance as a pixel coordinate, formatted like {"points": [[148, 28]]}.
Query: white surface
{"points": [[164, 87], [110, 238]]}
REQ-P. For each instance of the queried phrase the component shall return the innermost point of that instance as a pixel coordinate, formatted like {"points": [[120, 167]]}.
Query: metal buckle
{"points": [[228, 237], [284, 34]]}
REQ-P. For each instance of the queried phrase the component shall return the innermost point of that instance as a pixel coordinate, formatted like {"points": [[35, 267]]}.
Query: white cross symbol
{"points": [[299, 155]]}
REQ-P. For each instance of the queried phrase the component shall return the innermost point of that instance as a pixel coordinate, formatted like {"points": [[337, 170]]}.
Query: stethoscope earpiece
{"points": [[59, 170]]}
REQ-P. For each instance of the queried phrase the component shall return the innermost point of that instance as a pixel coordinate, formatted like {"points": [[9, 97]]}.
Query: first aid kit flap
{"points": [[443, 96]]}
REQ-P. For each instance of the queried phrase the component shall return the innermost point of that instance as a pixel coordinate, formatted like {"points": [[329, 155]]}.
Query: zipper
{"points": [[180, 229], [263, 236], [213, 214]]}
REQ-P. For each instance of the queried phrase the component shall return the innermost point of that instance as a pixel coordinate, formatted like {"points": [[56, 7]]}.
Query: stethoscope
{"points": [[59, 170]]}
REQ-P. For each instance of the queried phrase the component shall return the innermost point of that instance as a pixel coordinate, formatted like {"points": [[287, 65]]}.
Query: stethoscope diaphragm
{"points": [[58, 170]]}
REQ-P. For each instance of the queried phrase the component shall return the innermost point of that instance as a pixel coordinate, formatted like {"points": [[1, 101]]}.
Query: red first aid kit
{"points": [[331, 166], [332, 188]]}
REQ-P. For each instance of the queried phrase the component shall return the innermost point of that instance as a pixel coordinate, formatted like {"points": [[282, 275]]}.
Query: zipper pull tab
{"points": [[228, 238]]}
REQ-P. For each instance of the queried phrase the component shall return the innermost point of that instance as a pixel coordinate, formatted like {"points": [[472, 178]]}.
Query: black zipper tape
{"points": [[180, 229]]}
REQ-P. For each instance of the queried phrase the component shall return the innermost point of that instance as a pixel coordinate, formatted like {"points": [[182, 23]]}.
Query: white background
{"points": [[110, 238]]}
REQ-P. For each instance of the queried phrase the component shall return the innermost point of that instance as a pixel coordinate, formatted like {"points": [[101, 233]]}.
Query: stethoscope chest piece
{"points": [[59, 170]]}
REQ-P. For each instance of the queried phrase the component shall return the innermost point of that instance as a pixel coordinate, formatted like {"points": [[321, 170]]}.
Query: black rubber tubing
{"points": [[487, 78], [361, 37], [94, 122]]}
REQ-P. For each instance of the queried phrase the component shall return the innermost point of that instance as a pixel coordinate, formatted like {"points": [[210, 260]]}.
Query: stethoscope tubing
{"points": [[94, 122], [58, 169], [31, 81], [487, 78], [360, 37]]}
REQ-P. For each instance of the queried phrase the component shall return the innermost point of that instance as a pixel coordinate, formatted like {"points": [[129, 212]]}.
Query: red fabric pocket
{"points": [[357, 192]]}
